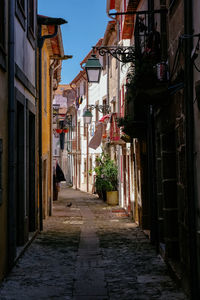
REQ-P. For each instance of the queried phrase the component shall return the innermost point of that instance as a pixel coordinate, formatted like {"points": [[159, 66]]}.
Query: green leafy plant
{"points": [[106, 175]]}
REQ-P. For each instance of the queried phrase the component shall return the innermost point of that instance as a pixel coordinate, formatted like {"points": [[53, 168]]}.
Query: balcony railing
{"points": [[150, 37]]}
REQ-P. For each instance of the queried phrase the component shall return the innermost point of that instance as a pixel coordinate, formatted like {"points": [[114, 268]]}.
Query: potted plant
{"points": [[106, 182]]}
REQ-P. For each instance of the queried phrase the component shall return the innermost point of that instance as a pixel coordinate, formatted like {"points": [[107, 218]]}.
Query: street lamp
{"points": [[93, 69], [87, 116]]}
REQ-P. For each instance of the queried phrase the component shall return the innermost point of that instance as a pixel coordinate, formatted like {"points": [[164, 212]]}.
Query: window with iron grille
{"points": [[1, 150], [147, 35]]}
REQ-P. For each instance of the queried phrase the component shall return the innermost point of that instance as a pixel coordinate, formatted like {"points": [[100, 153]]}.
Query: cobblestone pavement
{"points": [[89, 251]]}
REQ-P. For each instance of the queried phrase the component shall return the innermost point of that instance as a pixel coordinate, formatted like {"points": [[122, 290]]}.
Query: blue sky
{"points": [[87, 21]]}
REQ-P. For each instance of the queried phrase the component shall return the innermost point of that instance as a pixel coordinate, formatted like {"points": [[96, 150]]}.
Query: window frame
{"points": [[20, 13], [31, 34]]}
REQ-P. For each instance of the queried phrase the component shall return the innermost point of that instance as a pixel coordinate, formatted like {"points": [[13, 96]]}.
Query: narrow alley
{"points": [[89, 250]]}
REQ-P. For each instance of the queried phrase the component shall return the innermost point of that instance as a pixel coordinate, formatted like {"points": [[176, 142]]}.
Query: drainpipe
{"points": [[87, 138], [188, 91], [151, 157], [76, 156], [118, 111], [41, 39], [87, 135], [40, 45], [11, 138], [118, 103], [51, 72]]}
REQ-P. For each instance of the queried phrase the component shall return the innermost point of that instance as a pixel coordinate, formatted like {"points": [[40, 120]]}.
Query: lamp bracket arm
{"points": [[122, 53]]}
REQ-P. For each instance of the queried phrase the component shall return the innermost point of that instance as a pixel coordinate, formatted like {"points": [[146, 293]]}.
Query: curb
{"points": [[25, 246]]}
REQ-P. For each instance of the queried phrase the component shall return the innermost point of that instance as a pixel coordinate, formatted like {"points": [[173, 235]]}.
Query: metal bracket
{"points": [[121, 53]]}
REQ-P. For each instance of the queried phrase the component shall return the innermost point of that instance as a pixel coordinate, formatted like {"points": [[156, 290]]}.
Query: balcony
{"points": [[147, 79]]}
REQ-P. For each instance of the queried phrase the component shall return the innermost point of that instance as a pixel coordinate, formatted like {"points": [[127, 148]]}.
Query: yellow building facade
{"points": [[51, 70]]}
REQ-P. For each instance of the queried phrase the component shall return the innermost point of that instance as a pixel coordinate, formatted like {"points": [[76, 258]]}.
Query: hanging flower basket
{"points": [[58, 130], [65, 130]]}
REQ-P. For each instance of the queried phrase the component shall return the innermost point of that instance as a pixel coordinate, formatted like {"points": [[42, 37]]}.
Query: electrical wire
{"points": [[198, 70], [176, 59], [196, 49], [172, 3]]}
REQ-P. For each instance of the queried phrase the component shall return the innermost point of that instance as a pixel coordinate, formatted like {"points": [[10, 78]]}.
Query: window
{"points": [[104, 106], [20, 12], [31, 22], [90, 162], [1, 150], [104, 62], [78, 91], [84, 87]]}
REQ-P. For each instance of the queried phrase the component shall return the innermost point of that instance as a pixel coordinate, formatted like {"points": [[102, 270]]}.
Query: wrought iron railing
{"points": [[150, 36]]}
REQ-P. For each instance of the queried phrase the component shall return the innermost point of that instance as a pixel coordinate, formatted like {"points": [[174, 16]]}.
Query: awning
{"points": [[105, 118], [96, 139]]}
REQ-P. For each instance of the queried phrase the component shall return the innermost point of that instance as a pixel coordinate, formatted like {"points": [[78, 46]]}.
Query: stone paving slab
{"points": [[89, 252], [90, 282]]}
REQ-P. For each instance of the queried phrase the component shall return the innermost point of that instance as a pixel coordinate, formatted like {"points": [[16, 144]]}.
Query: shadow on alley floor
{"points": [[88, 251]]}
